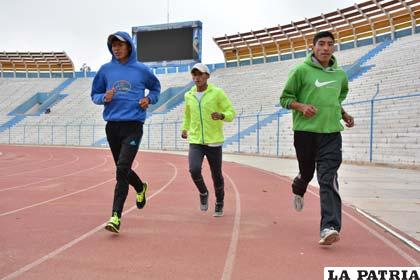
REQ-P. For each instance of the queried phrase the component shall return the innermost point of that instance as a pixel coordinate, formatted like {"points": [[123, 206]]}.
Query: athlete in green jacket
{"points": [[314, 91], [206, 109]]}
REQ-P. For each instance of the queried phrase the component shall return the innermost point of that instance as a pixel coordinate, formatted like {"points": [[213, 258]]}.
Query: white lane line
{"points": [[54, 253], [61, 196], [51, 156], [230, 258], [388, 229], [54, 199], [43, 168], [51, 186], [385, 240], [58, 177], [13, 156]]}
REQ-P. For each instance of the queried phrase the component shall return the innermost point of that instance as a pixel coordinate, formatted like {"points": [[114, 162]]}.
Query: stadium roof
{"points": [[52, 62], [364, 20]]}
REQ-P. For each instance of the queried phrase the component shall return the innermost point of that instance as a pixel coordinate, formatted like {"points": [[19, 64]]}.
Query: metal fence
{"points": [[262, 133]]}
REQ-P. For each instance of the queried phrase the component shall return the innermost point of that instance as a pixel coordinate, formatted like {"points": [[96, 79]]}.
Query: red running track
{"points": [[54, 202]]}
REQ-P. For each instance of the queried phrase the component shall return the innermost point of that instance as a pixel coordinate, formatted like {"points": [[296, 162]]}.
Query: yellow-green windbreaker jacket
{"points": [[202, 129]]}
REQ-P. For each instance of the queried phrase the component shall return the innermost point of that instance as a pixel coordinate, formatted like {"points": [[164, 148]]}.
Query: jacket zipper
{"points": [[201, 117]]}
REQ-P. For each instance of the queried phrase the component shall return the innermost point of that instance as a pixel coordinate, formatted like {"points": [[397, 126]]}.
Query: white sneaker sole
{"points": [[298, 203], [333, 237], [111, 228]]}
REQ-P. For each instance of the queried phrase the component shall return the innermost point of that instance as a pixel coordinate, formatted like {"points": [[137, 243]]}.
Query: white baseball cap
{"points": [[120, 38], [201, 67]]}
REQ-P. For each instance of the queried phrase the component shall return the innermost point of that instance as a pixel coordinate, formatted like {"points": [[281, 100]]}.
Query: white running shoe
{"points": [[298, 202], [329, 236]]}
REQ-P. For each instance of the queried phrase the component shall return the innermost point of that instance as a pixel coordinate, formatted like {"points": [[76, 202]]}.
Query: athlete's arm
{"points": [[307, 110]]}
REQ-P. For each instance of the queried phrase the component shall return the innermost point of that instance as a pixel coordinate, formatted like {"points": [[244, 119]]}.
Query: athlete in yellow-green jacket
{"points": [[206, 109]]}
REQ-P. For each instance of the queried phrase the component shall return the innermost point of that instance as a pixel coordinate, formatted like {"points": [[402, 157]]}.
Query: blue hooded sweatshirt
{"points": [[130, 81]]}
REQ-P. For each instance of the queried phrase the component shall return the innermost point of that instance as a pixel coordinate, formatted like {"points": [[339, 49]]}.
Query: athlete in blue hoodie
{"points": [[120, 86]]}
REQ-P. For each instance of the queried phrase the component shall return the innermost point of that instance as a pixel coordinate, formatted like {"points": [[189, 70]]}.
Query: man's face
{"points": [[120, 50], [324, 49], [199, 78]]}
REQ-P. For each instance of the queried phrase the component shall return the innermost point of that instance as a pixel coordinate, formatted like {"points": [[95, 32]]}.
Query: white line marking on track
{"points": [[50, 186], [388, 229], [51, 156], [230, 258], [54, 199], [12, 156], [83, 237], [61, 196], [385, 240], [48, 167], [49, 179]]}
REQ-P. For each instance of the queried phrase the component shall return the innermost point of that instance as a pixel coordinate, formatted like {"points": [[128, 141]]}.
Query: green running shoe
{"points": [[141, 197], [113, 224]]}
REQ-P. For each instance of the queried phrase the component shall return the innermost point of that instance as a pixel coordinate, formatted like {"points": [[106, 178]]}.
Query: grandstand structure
{"points": [[384, 101], [383, 65], [36, 64], [365, 23]]}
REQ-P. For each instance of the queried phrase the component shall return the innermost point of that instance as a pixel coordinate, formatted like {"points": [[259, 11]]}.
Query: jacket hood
{"points": [[309, 61], [133, 55]]}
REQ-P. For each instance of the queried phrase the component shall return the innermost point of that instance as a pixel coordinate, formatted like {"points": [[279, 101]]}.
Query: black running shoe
{"points": [[218, 210], [204, 201]]}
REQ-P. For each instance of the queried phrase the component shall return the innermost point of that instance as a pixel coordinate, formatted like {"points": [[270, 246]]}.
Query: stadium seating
{"points": [[254, 91], [35, 64]]}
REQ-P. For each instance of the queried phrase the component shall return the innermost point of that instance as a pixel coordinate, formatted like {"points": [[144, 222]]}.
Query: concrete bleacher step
{"points": [[252, 89]]}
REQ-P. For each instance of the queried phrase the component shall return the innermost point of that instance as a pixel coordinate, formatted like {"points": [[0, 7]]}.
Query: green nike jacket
{"points": [[324, 88]]}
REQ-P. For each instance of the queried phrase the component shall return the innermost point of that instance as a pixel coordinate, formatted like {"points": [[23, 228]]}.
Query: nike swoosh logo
{"points": [[321, 84]]}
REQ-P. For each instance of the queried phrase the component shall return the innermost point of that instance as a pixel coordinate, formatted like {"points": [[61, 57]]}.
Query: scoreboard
{"points": [[171, 44]]}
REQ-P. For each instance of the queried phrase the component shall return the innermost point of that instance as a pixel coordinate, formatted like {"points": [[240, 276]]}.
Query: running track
{"points": [[54, 202]]}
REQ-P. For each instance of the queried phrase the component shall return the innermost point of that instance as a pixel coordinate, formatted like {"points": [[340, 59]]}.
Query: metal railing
{"points": [[246, 134]]}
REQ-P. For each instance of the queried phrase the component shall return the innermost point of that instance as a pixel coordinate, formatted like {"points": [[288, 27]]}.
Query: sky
{"points": [[81, 27]]}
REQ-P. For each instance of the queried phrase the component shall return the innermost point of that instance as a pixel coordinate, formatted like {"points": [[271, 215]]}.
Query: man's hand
{"points": [[144, 103], [109, 94], [308, 111], [184, 134], [217, 116], [348, 119]]}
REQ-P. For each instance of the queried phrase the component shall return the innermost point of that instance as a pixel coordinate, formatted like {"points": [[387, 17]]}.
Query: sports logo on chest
{"points": [[320, 83], [122, 85]]}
